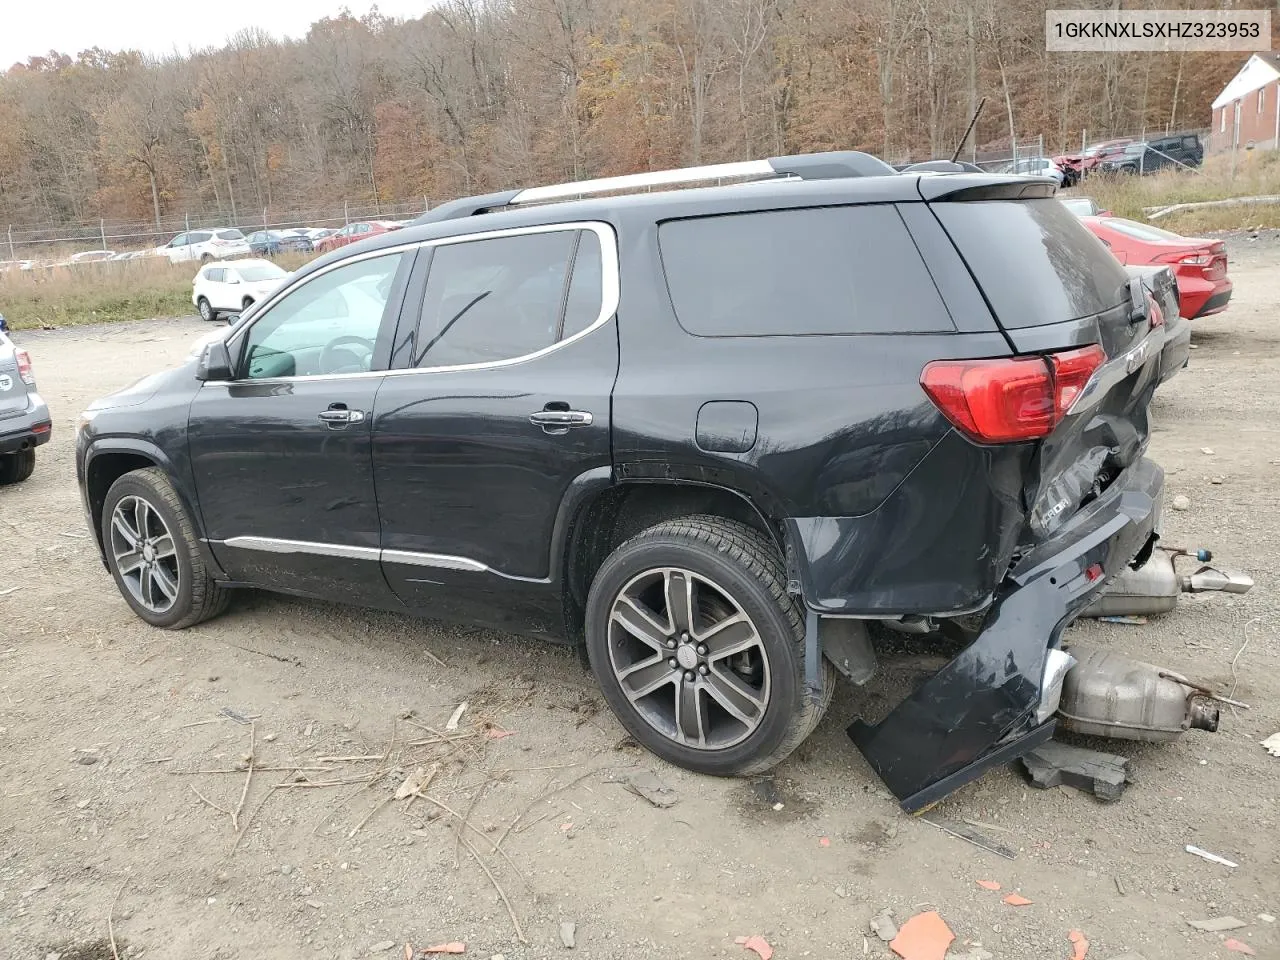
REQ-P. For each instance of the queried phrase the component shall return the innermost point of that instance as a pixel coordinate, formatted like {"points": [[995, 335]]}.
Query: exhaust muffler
{"points": [[1108, 695], [1154, 587]]}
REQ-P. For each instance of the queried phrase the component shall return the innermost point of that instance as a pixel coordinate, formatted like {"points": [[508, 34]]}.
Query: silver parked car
{"points": [[24, 418]]}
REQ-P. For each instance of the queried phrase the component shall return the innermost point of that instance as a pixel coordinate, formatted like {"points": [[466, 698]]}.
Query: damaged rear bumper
{"points": [[981, 709]]}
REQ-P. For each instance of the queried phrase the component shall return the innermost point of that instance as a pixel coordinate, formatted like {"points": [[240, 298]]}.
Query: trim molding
{"points": [[440, 561]]}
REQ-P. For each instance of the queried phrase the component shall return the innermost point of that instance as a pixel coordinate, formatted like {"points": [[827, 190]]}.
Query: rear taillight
{"points": [[1198, 259], [25, 373], [1006, 400], [1155, 315]]}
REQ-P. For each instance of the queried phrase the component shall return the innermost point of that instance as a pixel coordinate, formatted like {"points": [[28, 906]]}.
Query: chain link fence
{"points": [[42, 241]]}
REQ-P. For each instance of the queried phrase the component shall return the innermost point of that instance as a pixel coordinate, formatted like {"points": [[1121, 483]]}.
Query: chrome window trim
{"points": [[610, 284]]}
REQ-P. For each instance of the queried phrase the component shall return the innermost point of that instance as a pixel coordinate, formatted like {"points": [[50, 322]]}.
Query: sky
{"points": [[34, 27]]}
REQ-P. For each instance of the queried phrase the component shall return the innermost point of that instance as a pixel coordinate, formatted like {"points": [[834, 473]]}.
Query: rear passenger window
{"points": [[216, 275], [829, 270], [586, 289], [496, 299]]}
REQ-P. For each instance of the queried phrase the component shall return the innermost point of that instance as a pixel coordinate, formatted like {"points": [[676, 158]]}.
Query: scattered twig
{"points": [[9, 590], [341, 803], [111, 930], [369, 816], [157, 760], [249, 819], [515, 921], [188, 773], [454, 717], [470, 826], [253, 745], [354, 759], [465, 821], [547, 795], [1243, 646], [208, 801], [432, 657], [197, 723]]}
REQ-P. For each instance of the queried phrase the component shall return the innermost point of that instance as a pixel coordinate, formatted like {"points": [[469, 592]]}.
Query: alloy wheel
{"points": [[145, 554], [688, 658]]}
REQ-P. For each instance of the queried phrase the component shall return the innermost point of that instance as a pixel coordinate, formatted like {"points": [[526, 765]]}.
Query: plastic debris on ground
{"points": [[1128, 621], [757, 943], [1055, 764], [1079, 945], [925, 936], [1218, 924], [882, 925], [824, 841], [1272, 744], [1017, 900], [988, 884], [1211, 857], [1231, 943], [568, 934], [452, 725], [646, 784]]}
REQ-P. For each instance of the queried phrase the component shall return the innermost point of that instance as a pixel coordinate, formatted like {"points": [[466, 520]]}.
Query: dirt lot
{"points": [[103, 722]]}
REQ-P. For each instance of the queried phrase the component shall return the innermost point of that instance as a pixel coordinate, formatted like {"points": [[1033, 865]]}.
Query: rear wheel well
{"points": [[621, 512], [104, 470]]}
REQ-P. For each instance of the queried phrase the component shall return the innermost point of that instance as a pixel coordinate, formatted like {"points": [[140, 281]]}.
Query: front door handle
{"points": [[559, 421], [338, 416]]}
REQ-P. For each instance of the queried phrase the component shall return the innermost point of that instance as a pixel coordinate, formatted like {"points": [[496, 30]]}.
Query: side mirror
{"points": [[215, 362]]}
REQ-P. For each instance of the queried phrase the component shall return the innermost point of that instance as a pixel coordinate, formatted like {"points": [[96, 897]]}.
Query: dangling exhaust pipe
{"points": [[1155, 586]]}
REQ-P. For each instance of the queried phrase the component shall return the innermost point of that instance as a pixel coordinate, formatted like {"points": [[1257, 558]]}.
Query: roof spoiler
{"points": [[972, 186], [832, 165]]}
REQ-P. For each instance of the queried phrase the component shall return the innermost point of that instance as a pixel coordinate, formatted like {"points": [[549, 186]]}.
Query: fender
{"points": [[99, 446]]}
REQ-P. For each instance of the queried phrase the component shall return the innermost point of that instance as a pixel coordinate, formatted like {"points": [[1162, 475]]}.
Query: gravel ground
{"points": [[103, 723]]}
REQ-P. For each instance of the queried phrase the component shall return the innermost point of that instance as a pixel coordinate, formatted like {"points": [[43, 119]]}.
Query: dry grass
{"points": [[1257, 173], [102, 292]]}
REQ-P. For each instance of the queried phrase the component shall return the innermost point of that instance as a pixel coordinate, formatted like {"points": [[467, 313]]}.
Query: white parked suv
{"points": [[214, 244], [233, 287]]}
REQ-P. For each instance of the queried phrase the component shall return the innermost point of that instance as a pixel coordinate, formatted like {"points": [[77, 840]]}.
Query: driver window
{"points": [[496, 299], [327, 325]]}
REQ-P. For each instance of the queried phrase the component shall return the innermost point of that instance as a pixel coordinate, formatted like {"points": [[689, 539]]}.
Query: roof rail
{"points": [[833, 165]]}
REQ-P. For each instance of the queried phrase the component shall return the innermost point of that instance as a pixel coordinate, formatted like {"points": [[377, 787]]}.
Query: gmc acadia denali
{"points": [[709, 433]]}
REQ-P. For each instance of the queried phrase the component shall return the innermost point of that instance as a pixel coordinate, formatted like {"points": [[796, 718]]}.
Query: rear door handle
{"points": [[559, 421]]}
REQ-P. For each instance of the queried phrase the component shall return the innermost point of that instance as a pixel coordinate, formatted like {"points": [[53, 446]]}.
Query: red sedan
{"points": [[1199, 265], [353, 232]]}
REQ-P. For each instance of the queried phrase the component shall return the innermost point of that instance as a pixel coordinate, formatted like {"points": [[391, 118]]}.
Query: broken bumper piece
{"points": [[986, 707]]}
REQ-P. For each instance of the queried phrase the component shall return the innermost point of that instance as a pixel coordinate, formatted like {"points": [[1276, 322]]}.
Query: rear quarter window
{"points": [[813, 271], [1034, 260]]}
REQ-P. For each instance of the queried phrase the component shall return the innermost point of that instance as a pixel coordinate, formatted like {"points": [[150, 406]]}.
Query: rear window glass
{"points": [[230, 235], [198, 237], [1035, 261], [829, 270]]}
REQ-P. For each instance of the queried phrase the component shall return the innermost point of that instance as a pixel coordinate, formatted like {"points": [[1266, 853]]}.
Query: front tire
{"points": [[699, 649], [152, 551], [16, 467], [207, 313]]}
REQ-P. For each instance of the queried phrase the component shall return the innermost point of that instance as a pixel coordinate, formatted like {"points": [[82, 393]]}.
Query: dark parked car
{"points": [[24, 418], [1151, 156], [272, 242], [708, 433]]}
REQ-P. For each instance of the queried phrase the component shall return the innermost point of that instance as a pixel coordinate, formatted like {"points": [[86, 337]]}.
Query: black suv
{"points": [[707, 433], [1150, 156]]}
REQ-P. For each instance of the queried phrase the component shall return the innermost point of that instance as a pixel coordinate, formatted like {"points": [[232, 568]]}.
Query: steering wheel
{"points": [[334, 359]]}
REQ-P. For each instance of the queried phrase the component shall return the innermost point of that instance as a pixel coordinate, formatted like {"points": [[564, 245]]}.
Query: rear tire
{"points": [[153, 554], [207, 313], [16, 467], [745, 688]]}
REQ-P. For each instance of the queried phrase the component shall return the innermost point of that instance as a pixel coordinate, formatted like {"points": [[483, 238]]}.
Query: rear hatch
{"points": [[13, 392], [1056, 291]]}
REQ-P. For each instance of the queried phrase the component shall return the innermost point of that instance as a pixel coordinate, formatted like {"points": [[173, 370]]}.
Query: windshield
{"points": [[258, 272], [1135, 149]]}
